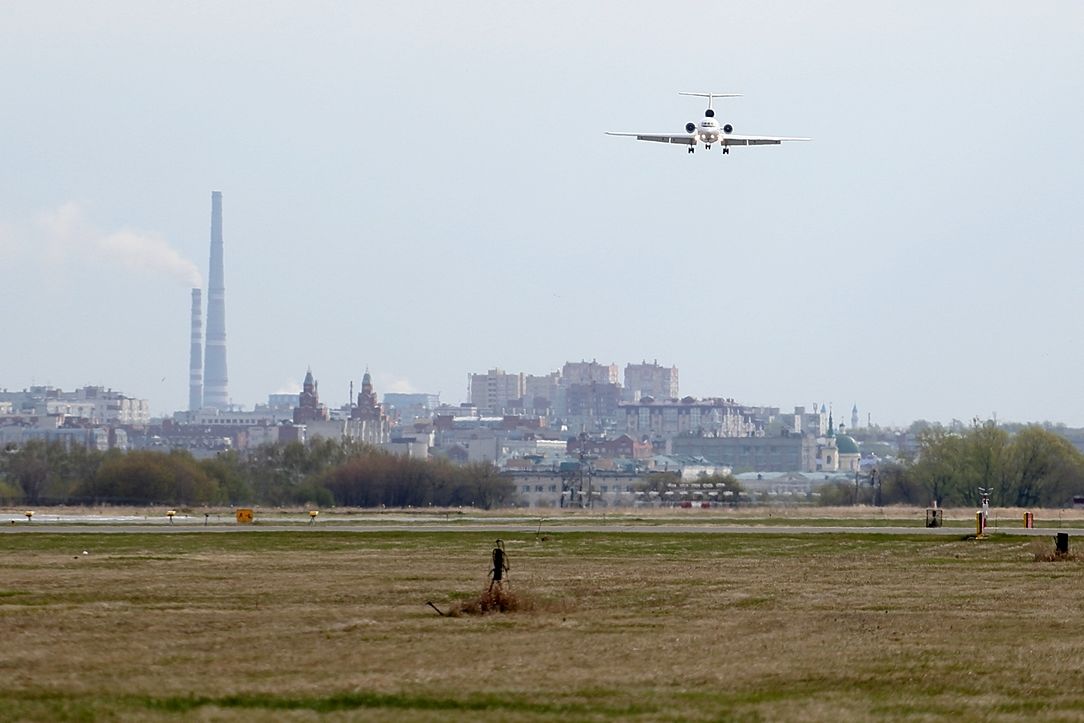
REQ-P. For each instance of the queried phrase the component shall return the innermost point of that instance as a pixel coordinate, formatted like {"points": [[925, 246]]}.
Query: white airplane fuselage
{"points": [[708, 131]]}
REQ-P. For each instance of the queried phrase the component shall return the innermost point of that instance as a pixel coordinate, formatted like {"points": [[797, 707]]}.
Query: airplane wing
{"points": [[733, 140], [682, 138]]}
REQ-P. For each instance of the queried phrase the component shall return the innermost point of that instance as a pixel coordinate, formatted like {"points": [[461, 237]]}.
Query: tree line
{"points": [[1031, 466], [324, 472]]}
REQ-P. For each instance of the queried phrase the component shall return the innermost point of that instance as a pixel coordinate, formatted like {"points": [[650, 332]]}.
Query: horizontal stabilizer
{"points": [[713, 95]]}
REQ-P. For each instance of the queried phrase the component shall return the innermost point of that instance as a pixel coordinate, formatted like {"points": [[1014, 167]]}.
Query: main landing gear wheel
{"points": [[726, 150], [692, 149]]}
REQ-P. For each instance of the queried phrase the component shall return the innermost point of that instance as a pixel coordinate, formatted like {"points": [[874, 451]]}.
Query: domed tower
{"points": [[370, 422], [367, 408], [827, 452], [308, 407], [367, 398], [850, 458]]}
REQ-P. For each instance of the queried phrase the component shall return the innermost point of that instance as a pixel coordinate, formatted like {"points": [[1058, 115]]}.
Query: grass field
{"points": [[296, 625]]}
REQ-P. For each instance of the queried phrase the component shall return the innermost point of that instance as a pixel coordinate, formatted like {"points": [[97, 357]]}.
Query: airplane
{"points": [[709, 131]]}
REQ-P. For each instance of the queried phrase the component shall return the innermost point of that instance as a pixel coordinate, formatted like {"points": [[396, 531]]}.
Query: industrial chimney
{"points": [[195, 364], [215, 394]]}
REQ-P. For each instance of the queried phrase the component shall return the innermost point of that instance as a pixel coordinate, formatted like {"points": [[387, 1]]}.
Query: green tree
{"points": [[152, 477], [228, 472], [47, 472], [1034, 466], [1043, 468], [898, 486], [985, 449], [835, 494], [938, 469]]}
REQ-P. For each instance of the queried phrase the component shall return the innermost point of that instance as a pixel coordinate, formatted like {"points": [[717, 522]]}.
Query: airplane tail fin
{"points": [[712, 96]]}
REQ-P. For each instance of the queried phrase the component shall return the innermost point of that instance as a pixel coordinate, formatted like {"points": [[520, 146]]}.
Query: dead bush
{"points": [[1044, 551], [497, 599]]}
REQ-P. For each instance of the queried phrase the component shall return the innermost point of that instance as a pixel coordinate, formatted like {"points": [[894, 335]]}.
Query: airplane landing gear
{"points": [[692, 149], [726, 150], [707, 146]]}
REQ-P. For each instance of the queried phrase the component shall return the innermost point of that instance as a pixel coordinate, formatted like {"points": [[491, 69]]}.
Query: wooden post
{"points": [[978, 524]]}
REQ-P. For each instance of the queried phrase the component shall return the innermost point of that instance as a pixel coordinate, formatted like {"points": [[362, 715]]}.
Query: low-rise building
{"points": [[94, 404], [406, 409], [623, 446], [548, 488], [688, 416], [785, 453]]}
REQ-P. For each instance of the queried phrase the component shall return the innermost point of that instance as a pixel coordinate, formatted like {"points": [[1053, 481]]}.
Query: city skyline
{"points": [[917, 257]]}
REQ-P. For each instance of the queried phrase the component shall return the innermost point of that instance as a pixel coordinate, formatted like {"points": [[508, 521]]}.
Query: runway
{"points": [[509, 528]]}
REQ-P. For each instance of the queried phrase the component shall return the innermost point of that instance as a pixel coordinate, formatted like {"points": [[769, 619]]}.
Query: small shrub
{"points": [[1043, 551], [497, 599]]}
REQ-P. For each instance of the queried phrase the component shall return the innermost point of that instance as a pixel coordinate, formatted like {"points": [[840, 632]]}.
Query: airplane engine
{"points": [[728, 128], [690, 127]]}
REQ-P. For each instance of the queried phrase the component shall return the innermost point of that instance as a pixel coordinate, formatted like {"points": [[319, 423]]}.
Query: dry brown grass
{"points": [[494, 599], [666, 627], [1044, 550]]}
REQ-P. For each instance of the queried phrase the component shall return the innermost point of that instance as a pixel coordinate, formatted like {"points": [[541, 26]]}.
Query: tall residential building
{"points": [[650, 380], [584, 372], [813, 423], [542, 393], [495, 391], [592, 406], [215, 392]]}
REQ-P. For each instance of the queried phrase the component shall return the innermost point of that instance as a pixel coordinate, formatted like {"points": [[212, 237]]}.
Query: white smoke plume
{"points": [[289, 387], [65, 234], [397, 385], [149, 252]]}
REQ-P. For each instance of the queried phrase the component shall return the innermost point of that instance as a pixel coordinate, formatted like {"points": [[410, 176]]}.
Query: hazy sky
{"points": [[425, 189]]}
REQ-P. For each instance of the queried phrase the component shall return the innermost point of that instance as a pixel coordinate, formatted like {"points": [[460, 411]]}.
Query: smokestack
{"points": [[195, 364], [215, 394]]}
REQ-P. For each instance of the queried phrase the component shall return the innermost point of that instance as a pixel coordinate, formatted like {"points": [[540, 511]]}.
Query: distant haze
{"points": [[425, 189]]}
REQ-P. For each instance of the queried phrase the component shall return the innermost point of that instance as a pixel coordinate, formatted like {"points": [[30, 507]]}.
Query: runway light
{"points": [[29, 514], [312, 516], [169, 514]]}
